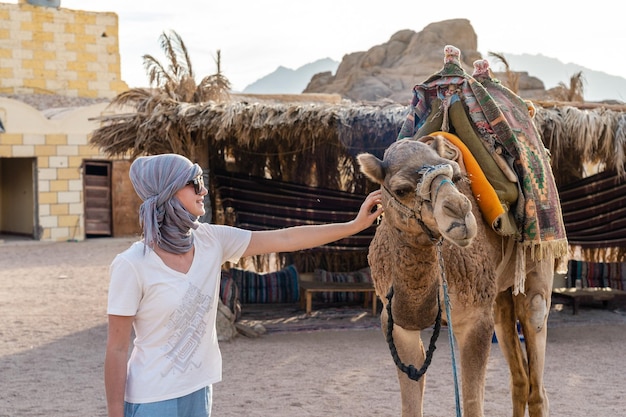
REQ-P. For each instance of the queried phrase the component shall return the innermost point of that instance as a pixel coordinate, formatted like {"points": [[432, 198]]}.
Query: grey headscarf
{"points": [[164, 220]]}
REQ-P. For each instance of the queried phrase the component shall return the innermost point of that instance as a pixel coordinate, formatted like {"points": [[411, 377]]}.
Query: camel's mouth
{"points": [[454, 217], [463, 242]]}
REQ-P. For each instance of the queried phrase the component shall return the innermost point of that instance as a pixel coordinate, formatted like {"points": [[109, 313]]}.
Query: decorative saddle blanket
{"points": [[496, 124]]}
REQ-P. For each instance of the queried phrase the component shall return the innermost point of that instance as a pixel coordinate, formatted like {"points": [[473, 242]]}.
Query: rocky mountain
{"points": [[288, 81], [390, 70], [598, 85]]}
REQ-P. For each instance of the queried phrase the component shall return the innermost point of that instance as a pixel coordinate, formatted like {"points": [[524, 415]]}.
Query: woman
{"points": [[165, 288]]}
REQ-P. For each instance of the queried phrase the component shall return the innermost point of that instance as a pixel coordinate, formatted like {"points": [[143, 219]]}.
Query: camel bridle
{"points": [[424, 194], [428, 173]]}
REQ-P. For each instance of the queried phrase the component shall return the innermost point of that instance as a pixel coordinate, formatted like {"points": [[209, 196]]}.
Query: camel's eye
{"points": [[402, 192]]}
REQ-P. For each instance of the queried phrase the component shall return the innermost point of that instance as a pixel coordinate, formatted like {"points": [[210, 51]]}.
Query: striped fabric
{"points": [[228, 290], [273, 287], [597, 274], [263, 204], [362, 275], [594, 211]]}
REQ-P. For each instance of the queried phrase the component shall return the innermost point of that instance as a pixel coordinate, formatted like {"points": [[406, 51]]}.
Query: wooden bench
{"points": [[307, 288], [576, 296]]}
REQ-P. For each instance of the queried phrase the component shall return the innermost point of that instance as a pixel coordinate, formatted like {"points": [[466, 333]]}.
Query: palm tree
{"points": [[172, 85], [177, 81]]}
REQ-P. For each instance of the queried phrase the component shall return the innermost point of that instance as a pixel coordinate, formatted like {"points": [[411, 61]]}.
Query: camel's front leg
{"points": [[473, 332], [532, 310], [411, 352]]}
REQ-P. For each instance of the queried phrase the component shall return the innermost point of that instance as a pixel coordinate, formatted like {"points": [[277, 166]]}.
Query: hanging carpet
{"points": [[594, 211], [264, 204]]}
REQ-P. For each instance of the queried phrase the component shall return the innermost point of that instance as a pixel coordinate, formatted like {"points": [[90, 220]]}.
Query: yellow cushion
{"points": [[484, 193]]}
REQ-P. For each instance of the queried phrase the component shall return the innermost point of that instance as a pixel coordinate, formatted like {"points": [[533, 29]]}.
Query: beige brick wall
{"points": [[59, 157], [55, 50], [59, 181]]}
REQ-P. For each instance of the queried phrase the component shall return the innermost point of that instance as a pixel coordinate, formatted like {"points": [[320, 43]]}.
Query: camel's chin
{"points": [[460, 237], [461, 233], [463, 243]]}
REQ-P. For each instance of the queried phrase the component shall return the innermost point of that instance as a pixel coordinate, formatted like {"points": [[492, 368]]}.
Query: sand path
{"points": [[53, 331]]}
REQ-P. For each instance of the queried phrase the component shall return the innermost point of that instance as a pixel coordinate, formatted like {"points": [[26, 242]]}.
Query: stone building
{"points": [[65, 63]]}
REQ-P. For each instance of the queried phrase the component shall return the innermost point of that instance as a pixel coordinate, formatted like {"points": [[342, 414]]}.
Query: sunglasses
{"points": [[198, 184]]}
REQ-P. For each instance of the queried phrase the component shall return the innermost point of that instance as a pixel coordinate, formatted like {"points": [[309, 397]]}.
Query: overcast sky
{"points": [[255, 37]]}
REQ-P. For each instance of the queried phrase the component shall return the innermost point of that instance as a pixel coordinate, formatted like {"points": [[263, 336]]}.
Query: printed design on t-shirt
{"points": [[189, 322]]}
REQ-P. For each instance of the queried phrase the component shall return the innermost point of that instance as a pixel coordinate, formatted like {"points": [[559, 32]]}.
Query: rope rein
{"points": [[410, 370], [446, 297]]}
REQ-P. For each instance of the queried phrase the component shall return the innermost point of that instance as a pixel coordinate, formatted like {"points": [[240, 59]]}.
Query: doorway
{"points": [[18, 188], [97, 192]]}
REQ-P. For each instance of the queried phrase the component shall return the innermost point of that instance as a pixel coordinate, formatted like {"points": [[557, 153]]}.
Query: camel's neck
{"points": [[415, 254], [420, 241], [416, 282], [413, 271]]}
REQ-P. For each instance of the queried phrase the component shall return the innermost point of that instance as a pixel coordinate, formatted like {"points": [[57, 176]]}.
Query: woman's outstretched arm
{"points": [[304, 237]]}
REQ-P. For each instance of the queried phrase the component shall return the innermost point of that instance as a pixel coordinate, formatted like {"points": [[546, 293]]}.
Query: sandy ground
{"points": [[53, 331]]}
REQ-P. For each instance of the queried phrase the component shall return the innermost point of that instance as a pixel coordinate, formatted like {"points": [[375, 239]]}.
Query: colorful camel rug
{"points": [[502, 120]]}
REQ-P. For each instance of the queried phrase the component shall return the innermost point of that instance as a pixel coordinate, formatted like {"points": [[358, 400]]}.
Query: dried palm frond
{"points": [[572, 93], [512, 77], [580, 137], [176, 80], [215, 87]]}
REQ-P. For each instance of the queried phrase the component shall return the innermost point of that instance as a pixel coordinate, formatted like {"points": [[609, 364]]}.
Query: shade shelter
{"points": [[312, 141]]}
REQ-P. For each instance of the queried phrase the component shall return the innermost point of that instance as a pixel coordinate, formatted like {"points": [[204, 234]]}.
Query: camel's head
{"points": [[419, 195]]}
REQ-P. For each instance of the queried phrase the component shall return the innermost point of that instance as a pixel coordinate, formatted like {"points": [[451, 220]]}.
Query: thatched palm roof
{"points": [[309, 143], [583, 135], [280, 139], [315, 143]]}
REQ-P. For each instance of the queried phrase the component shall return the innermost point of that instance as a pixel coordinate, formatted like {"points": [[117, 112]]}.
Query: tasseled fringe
{"points": [[520, 270], [537, 251], [445, 106], [554, 248]]}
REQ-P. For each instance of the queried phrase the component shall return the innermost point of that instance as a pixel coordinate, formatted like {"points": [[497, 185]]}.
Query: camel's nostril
{"points": [[457, 206]]}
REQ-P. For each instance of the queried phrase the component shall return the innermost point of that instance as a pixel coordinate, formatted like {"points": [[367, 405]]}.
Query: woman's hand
{"points": [[370, 210]]}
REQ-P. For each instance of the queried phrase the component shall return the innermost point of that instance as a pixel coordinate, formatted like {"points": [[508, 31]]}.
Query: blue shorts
{"points": [[196, 404]]}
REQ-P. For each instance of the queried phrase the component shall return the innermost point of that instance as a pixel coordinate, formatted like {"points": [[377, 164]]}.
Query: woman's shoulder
{"points": [[211, 228], [219, 232], [136, 250]]}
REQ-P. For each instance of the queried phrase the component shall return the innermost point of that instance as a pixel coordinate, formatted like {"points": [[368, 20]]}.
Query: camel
{"points": [[429, 206]]}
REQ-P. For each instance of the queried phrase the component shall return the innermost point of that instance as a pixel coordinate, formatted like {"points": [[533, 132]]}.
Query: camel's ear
{"points": [[372, 167], [444, 148]]}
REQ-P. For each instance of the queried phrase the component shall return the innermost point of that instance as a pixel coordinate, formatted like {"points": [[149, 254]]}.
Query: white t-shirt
{"points": [[175, 349]]}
